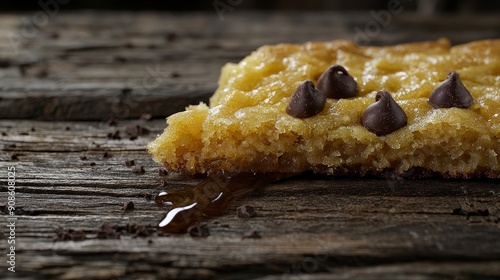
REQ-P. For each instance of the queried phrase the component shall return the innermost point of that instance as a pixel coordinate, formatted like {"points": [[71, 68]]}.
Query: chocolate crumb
{"points": [[5, 63], [83, 157], [67, 128], [384, 116], [336, 83], [148, 196], [129, 205], [251, 234], [136, 130], [42, 73], [138, 230], [14, 156], [170, 37], [115, 135], [33, 129], [92, 164], [245, 211], [69, 235], [107, 155], [126, 91], [145, 116], [120, 59], [175, 75], [199, 230], [24, 133], [484, 213], [306, 101], [163, 183], [451, 93], [224, 225], [108, 231], [138, 169], [162, 172], [4, 133], [130, 163], [459, 211], [112, 122]]}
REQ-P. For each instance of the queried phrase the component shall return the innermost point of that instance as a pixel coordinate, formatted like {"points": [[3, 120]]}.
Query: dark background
{"points": [[422, 6]]}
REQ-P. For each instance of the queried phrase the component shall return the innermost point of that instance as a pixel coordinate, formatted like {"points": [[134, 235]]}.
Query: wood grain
{"points": [[81, 68], [336, 228]]}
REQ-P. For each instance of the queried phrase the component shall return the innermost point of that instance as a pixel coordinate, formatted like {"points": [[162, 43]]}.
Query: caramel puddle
{"points": [[210, 198]]}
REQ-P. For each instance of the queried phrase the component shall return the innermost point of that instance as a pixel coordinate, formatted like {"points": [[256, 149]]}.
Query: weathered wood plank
{"points": [[312, 227]]}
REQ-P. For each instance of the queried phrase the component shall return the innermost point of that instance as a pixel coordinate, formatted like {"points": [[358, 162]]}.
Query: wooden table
{"points": [[61, 84]]}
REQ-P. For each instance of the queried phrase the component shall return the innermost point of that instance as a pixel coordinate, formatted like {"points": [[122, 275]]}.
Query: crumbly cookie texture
{"points": [[246, 127]]}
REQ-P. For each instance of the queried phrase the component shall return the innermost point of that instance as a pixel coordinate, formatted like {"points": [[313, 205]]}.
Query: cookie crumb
{"points": [[130, 163]]}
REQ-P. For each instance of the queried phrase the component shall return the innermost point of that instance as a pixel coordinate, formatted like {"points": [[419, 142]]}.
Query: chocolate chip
{"points": [[107, 155], [245, 211], [138, 169], [252, 234], [199, 230], [162, 172], [384, 116], [306, 101], [129, 163], [337, 83], [129, 205], [451, 93]]}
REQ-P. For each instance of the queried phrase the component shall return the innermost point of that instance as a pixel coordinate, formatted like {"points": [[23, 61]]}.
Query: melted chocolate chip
{"points": [[384, 116], [306, 101], [337, 83], [451, 93]]}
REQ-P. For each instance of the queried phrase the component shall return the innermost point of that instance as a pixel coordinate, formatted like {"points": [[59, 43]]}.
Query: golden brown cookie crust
{"points": [[246, 128]]}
